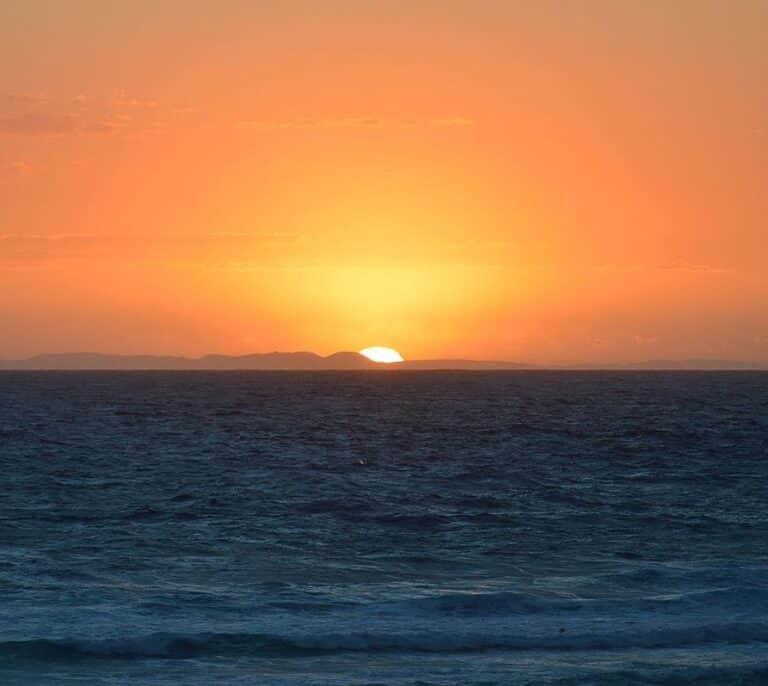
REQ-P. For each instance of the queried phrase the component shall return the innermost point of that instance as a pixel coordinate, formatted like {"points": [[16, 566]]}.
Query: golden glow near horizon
{"points": [[379, 353], [550, 182]]}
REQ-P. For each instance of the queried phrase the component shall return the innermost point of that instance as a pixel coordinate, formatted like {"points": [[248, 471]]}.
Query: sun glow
{"points": [[379, 353]]}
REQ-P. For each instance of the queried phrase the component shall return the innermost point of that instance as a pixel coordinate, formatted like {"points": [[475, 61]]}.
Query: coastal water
{"points": [[395, 528]]}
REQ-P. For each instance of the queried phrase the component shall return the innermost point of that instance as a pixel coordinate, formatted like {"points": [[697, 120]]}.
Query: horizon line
{"points": [[351, 360]]}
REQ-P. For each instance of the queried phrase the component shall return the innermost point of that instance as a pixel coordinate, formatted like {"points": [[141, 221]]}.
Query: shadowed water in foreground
{"points": [[383, 528]]}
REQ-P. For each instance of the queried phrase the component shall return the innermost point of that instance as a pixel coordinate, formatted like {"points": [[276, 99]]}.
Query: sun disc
{"points": [[379, 353]]}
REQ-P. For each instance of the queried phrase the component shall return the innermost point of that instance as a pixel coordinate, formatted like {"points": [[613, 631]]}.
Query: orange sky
{"points": [[552, 181]]}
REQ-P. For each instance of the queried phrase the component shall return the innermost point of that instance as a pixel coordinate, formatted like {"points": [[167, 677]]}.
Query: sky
{"points": [[559, 181]]}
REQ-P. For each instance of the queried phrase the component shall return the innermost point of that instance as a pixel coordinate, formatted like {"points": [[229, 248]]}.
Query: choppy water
{"points": [[383, 528]]}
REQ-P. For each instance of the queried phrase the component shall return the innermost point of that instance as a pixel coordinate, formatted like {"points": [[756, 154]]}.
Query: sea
{"points": [[383, 528]]}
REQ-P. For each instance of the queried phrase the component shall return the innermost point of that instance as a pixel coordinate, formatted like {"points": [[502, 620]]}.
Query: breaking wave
{"points": [[184, 646]]}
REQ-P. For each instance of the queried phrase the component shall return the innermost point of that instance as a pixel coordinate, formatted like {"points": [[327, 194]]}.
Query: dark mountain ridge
{"points": [[265, 361], [309, 361]]}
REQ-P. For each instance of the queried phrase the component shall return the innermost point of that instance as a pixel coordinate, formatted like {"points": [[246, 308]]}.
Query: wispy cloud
{"points": [[352, 123], [274, 237], [31, 115], [27, 250], [684, 266], [37, 123], [26, 114], [123, 99], [26, 237], [452, 121], [672, 266], [49, 124], [30, 248], [26, 99]]}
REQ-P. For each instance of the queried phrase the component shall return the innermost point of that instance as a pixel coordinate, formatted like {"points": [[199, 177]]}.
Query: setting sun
{"points": [[379, 353]]}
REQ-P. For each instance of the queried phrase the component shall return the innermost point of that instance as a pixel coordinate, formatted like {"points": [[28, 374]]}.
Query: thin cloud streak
{"points": [[352, 123], [690, 267]]}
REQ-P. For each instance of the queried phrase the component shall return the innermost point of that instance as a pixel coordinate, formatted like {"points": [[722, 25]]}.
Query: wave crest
{"points": [[185, 646]]}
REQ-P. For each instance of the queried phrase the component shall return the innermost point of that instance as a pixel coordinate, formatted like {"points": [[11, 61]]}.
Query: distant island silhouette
{"points": [[309, 361]]}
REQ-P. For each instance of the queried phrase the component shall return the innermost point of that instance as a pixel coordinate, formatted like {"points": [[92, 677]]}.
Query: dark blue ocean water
{"points": [[383, 528]]}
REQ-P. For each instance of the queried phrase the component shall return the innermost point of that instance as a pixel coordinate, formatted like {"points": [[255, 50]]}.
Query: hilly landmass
{"points": [[309, 361]]}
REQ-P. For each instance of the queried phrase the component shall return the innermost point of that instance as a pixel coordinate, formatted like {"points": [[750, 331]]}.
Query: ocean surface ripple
{"points": [[430, 528]]}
